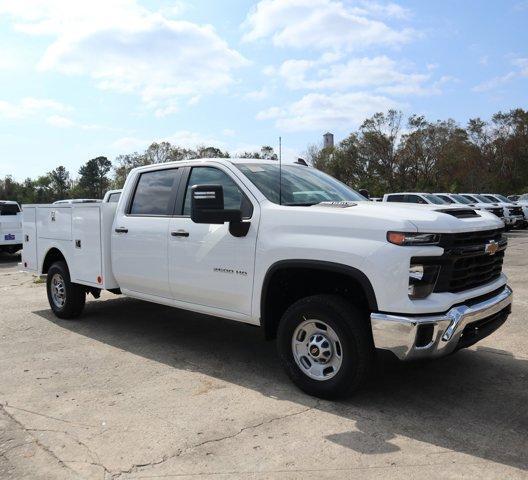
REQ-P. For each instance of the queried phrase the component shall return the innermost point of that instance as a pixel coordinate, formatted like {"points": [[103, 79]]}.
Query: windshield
{"points": [[502, 198], [302, 186], [9, 209], [483, 199], [434, 199], [460, 199], [524, 198]]}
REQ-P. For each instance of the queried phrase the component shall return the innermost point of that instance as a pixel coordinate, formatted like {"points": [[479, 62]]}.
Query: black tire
{"points": [[74, 294], [355, 342]]}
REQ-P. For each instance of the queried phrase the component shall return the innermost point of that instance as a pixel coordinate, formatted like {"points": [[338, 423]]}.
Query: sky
{"points": [[107, 77]]}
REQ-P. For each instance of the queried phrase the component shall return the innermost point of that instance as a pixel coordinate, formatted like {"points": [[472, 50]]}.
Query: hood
{"points": [[413, 217]]}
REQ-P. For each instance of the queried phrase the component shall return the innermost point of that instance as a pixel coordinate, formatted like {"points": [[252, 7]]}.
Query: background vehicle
{"points": [[515, 210], [484, 203], [112, 196], [414, 197], [510, 220], [10, 227], [513, 198], [331, 276], [464, 200]]}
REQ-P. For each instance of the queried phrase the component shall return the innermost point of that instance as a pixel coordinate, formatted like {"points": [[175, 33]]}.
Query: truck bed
{"points": [[81, 232]]}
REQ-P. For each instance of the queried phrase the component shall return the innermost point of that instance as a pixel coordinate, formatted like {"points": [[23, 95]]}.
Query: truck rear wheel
{"points": [[325, 346], [66, 299]]}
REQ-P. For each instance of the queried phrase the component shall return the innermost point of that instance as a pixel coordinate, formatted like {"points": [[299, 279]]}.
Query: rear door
{"points": [[141, 232]]}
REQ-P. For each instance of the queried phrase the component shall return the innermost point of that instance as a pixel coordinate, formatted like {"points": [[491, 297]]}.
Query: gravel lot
{"points": [[135, 390]]}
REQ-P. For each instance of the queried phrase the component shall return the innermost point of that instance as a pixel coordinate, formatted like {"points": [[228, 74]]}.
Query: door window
{"points": [[155, 193], [395, 198], [233, 196], [414, 199]]}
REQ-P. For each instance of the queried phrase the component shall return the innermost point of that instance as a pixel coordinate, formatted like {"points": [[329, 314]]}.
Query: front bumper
{"points": [[429, 336]]}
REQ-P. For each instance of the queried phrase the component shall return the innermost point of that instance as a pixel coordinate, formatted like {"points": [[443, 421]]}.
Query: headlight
{"points": [[410, 239], [422, 279]]}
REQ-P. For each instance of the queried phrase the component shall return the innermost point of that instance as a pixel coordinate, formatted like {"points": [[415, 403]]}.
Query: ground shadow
{"points": [[473, 402]]}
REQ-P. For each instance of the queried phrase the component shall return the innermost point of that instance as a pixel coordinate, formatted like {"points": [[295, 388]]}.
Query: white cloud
{"points": [[317, 111], [181, 138], [29, 107], [324, 24], [261, 94], [380, 74], [520, 71], [127, 48], [60, 121]]}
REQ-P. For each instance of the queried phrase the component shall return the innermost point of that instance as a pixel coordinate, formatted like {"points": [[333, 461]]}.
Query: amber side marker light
{"points": [[397, 238], [413, 238]]}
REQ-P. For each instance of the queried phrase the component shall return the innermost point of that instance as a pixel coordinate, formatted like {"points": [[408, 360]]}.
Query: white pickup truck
{"points": [[10, 227], [295, 252]]}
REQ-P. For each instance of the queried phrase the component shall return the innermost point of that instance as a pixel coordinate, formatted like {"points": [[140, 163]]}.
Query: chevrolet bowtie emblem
{"points": [[492, 247]]}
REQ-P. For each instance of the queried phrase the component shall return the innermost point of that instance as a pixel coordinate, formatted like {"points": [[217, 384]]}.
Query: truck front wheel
{"points": [[66, 299], [325, 346]]}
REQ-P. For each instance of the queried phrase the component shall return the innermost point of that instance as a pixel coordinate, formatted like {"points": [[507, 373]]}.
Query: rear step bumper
{"points": [[429, 336]]}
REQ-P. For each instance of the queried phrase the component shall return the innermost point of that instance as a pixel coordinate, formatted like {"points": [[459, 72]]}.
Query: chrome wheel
{"points": [[58, 290], [317, 349]]}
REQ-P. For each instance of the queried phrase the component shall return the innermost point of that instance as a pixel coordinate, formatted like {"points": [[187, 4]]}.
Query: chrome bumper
{"points": [[399, 333]]}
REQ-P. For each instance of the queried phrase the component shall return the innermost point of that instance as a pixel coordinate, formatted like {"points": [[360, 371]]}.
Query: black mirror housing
{"points": [[207, 206]]}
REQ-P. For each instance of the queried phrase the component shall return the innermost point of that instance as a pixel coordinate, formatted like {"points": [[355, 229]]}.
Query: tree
{"points": [[266, 153], [60, 182], [93, 181]]}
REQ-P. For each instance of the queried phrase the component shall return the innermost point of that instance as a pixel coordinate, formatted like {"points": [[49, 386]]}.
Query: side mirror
{"points": [[207, 206]]}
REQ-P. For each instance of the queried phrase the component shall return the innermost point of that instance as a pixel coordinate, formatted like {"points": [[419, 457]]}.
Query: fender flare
{"points": [[351, 272]]}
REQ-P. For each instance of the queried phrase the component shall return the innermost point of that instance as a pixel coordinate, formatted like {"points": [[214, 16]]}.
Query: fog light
{"points": [[422, 279]]}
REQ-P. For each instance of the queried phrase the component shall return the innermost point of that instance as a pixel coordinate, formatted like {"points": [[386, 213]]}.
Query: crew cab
{"points": [[10, 227], [289, 249]]}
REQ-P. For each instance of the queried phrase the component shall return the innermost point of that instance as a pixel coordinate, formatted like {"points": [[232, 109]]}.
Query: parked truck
{"points": [[290, 250], [10, 227]]}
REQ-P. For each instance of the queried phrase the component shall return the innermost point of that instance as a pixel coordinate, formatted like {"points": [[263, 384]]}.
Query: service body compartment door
{"points": [[29, 233], [86, 237], [54, 222]]}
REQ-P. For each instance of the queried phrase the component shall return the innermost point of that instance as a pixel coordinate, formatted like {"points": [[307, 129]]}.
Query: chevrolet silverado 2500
{"points": [[307, 259]]}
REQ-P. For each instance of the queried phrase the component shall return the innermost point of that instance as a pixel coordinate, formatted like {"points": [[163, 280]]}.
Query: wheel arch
{"points": [[53, 255], [342, 276]]}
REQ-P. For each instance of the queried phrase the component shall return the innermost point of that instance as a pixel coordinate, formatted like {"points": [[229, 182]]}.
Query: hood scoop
{"points": [[460, 212], [344, 204]]}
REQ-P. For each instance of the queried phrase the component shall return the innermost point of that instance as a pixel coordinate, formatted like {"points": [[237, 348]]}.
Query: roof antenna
{"points": [[280, 171]]}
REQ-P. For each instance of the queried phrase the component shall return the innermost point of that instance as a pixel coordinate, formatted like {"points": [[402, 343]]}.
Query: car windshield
{"points": [[434, 199], [493, 198], [300, 185], [483, 199], [502, 198], [460, 199], [9, 209], [524, 198]]}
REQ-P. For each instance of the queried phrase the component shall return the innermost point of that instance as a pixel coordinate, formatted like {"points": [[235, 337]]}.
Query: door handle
{"points": [[180, 233], [121, 230]]}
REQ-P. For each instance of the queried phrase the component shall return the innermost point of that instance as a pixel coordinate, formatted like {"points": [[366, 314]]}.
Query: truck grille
{"points": [[497, 211], [465, 263], [516, 211]]}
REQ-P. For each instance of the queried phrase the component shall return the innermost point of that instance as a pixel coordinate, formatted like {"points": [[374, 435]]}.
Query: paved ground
{"points": [[135, 390]]}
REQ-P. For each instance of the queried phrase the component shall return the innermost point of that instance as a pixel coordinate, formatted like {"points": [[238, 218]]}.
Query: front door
{"points": [[140, 238], [208, 265]]}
